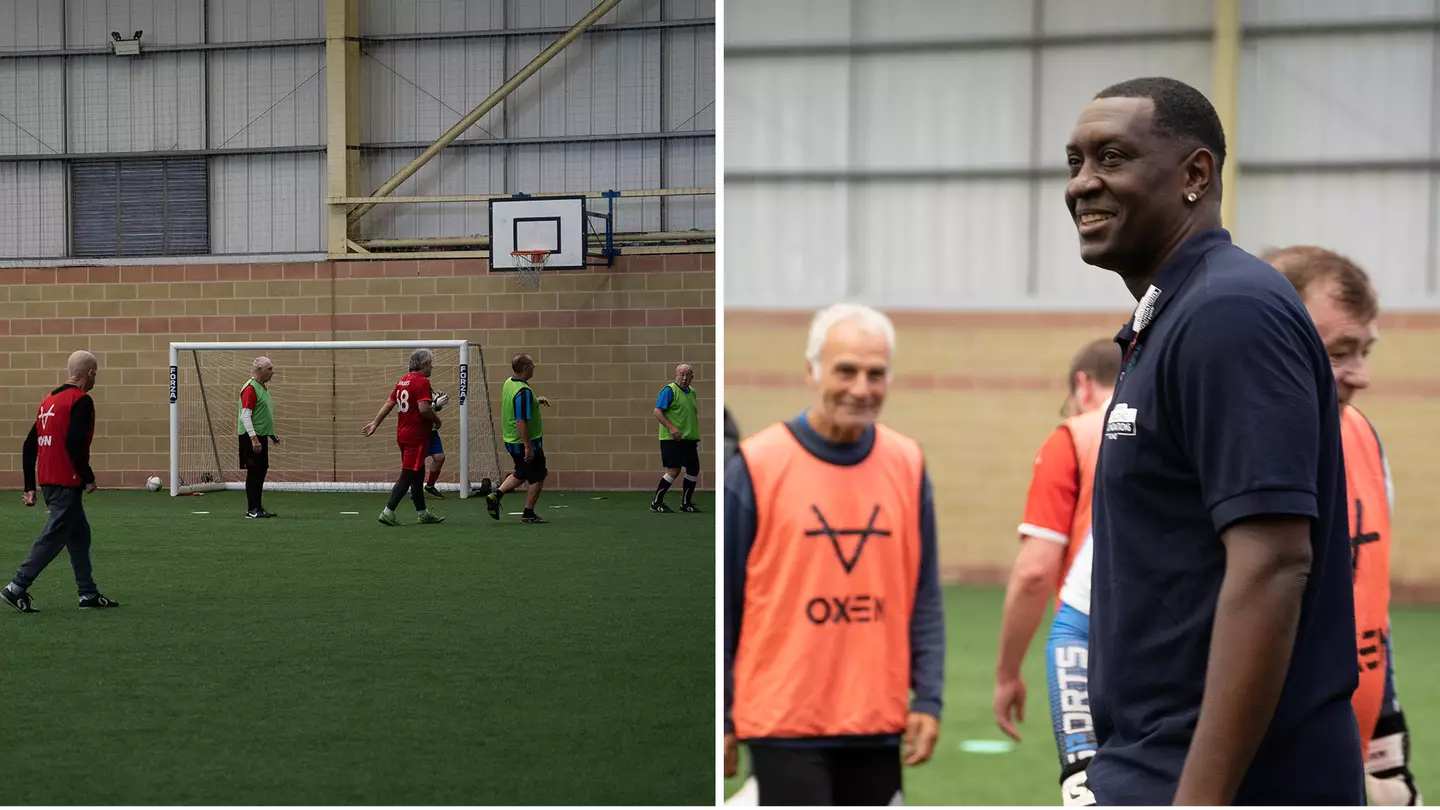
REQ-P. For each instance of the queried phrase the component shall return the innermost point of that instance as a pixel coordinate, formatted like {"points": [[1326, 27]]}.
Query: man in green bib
{"points": [[679, 419], [523, 433], [255, 428]]}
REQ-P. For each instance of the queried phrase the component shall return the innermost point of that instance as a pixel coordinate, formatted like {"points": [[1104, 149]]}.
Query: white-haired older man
{"points": [[831, 571], [255, 428]]}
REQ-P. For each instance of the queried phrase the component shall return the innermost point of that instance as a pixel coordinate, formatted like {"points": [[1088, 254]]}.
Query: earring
{"points": [[1191, 197]]}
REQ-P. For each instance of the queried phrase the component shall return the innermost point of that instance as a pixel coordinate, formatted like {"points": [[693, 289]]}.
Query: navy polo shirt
{"points": [[1225, 410]]}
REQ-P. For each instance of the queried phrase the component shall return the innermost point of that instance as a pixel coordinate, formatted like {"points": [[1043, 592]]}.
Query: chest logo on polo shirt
{"points": [[1121, 421]]}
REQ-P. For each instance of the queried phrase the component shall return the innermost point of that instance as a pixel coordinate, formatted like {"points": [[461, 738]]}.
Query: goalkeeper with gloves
{"points": [[435, 456], [1345, 308]]}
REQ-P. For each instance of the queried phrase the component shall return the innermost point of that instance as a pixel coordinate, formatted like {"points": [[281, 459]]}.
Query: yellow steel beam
{"points": [[488, 104], [342, 124], [469, 198], [1226, 79]]}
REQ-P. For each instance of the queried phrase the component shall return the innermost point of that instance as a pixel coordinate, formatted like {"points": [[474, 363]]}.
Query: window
{"points": [[144, 207]]}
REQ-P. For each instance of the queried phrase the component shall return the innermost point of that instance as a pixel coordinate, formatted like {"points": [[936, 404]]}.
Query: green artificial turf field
{"points": [[1028, 774], [321, 658]]}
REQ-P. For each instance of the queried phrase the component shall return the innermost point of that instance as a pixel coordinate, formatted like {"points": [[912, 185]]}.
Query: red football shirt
{"points": [[413, 389]]}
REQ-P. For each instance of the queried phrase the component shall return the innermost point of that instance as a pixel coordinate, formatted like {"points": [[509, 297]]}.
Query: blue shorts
{"points": [[435, 446], [1067, 668]]}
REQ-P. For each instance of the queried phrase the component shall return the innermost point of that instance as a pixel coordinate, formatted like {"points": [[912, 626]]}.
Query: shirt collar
{"points": [[1169, 280]]}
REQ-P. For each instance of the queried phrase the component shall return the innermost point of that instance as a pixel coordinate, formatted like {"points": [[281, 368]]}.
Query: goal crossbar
{"points": [[463, 347]]}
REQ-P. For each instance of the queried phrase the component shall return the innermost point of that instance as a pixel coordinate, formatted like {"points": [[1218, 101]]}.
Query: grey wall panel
{"points": [[378, 17], [786, 114], [910, 20], [785, 246], [1381, 220], [1314, 98], [1116, 16], [453, 171], [164, 22], [689, 80], [31, 118], [554, 13], [1286, 12], [33, 221], [950, 245], [267, 203], [30, 25], [594, 167], [609, 83], [689, 164], [1071, 76], [917, 112], [269, 97], [765, 22], [687, 9], [260, 20], [127, 105], [414, 91]]}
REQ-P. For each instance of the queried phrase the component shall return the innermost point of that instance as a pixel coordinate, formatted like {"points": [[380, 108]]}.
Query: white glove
{"points": [[1387, 776], [440, 399]]}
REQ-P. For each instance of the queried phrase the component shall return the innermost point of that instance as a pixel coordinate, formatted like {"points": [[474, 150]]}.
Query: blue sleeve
{"points": [[927, 622], [1244, 385], [523, 398], [739, 536], [1390, 703], [667, 396]]}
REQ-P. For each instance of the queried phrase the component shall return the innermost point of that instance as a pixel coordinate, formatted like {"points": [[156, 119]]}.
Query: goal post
{"points": [[322, 393]]}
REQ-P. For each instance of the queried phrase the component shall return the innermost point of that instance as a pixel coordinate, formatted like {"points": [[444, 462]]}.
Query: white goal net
{"points": [[321, 395]]}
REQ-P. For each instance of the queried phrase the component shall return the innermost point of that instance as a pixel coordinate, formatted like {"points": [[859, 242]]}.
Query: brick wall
{"points": [[605, 341], [981, 392]]}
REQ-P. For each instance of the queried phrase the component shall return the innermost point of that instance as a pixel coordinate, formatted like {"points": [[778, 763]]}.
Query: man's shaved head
{"points": [[81, 370]]}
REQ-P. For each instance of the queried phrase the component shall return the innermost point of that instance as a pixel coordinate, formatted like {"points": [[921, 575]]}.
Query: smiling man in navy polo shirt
{"points": [[1222, 610]]}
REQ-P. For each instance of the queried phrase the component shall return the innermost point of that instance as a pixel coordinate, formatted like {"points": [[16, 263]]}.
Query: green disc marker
{"points": [[987, 746]]}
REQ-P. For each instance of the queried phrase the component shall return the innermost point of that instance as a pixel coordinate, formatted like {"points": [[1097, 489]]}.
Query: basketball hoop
{"points": [[530, 263]]}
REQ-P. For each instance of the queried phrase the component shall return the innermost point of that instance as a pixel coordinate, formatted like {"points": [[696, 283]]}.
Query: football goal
{"points": [[322, 394]]}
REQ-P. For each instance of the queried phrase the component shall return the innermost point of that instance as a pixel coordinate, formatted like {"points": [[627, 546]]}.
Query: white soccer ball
{"points": [[154, 483]]}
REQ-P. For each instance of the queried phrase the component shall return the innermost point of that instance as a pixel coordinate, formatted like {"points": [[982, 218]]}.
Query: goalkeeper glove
{"points": [[1387, 773], [440, 399]]}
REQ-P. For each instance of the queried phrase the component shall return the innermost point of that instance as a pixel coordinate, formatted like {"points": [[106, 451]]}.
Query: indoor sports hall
{"points": [[189, 185]]}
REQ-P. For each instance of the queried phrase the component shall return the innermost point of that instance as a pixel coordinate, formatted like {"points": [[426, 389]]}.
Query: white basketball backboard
{"points": [[556, 224]]}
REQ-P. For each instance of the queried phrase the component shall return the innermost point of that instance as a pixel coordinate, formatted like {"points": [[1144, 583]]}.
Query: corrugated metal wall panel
{"points": [[786, 114], [689, 163], [555, 13], [33, 219], [455, 76], [27, 25], [270, 97], [260, 20], [754, 22], [913, 114], [947, 245], [1379, 219], [30, 94], [378, 17], [128, 105], [910, 20], [785, 246], [1116, 16], [1286, 12], [619, 71], [267, 203], [1071, 76], [140, 207], [687, 9], [689, 80], [594, 167], [1313, 98], [164, 22], [468, 170]]}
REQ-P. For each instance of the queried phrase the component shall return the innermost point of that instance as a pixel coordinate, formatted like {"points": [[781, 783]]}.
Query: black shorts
{"points": [[532, 471], [681, 453], [806, 775], [248, 455]]}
